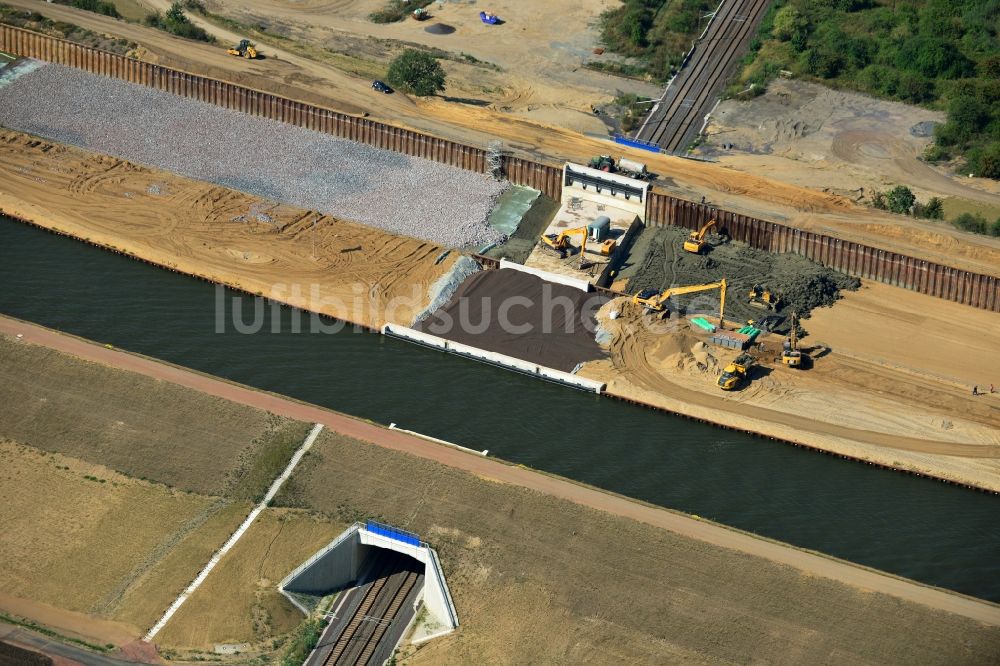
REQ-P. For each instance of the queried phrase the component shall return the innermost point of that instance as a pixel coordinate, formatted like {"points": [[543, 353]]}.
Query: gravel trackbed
{"points": [[397, 193]]}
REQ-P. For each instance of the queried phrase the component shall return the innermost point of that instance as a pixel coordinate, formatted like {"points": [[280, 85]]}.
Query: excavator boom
{"points": [[657, 302]]}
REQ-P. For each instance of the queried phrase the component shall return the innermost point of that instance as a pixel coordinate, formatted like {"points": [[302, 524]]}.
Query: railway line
{"points": [[357, 638], [676, 119]]}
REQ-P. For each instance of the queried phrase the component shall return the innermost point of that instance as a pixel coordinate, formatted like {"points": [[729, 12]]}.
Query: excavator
{"points": [[762, 297], [656, 301], [736, 372], [791, 355], [696, 242], [245, 49], [560, 245]]}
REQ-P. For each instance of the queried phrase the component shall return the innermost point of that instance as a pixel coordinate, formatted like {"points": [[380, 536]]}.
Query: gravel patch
{"points": [[397, 193]]}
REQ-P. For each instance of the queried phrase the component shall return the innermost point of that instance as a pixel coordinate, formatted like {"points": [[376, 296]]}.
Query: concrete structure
{"points": [[587, 196], [493, 358], [338, 566]]}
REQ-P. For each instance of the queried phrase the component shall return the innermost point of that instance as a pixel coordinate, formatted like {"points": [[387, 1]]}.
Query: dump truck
{"points": [[736, 373]]}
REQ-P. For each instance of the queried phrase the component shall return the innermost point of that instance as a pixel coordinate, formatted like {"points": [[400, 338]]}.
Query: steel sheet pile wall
{"points": [[980, 291], [953, 284]]}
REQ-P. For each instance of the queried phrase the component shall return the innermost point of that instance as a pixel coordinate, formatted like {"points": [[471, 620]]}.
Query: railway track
{"points": [[381, 603], [676, 120]]}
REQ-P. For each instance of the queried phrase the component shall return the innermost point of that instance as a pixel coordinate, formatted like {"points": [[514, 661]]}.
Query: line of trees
{"points": [[941, 53]]}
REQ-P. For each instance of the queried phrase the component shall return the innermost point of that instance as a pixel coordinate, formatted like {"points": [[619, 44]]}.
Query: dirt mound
{"points": [[658, 261], [523, 316]]}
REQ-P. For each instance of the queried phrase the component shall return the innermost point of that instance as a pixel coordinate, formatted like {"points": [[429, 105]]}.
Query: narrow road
{"points": [[809, 563]]}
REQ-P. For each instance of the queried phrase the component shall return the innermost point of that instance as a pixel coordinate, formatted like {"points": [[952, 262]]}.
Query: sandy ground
{"points": [[321, 82], [835, 140], [536, 579], [811, 564], [245, 584], [57, 512], [323, 264], [884, 410]]}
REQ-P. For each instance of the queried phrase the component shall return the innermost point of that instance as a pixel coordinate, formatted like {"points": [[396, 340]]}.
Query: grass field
{"points": [[141, 427], [79, 536], [542, 580], [246, 584]]}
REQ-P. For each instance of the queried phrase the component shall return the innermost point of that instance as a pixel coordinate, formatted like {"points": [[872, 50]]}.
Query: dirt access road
{"points": [[809, 563], [322, 83]]}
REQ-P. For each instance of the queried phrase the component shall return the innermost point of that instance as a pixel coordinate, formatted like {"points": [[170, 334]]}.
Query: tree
{"points": [[900, 199], [787, 22], [416, 72], [176, 13], [934, 209]]}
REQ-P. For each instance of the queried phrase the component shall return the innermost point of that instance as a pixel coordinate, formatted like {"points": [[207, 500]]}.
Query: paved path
{"points": [[808, 563], [70, 654]]}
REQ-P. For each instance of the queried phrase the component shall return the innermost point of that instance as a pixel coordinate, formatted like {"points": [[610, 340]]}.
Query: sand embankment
{"points": [[299, 257]]}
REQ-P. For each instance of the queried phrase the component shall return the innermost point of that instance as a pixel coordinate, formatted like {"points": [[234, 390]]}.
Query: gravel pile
{"points": [[397, 193]]}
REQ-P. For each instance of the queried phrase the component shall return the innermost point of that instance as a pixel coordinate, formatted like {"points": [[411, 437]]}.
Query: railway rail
{"points": [[676, 120]]}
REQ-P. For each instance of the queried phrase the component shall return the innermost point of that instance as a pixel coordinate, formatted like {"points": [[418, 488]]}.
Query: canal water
{"points": [[918, 528]]}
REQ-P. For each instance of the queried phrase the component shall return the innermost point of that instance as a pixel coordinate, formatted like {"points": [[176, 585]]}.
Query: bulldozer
{"points": [[791, 355], [695, 242], [761, 297], [559, 244], [736, 373], [655, 302], [245, 49]]}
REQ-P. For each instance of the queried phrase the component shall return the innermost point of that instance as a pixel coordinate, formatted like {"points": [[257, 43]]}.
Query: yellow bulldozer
{"points": [[736, 373], [559, 244], [245, 49], [760, 296], [656, 301], [695, 242]]}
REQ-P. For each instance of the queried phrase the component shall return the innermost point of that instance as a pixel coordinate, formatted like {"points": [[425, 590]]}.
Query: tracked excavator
{"points": [[656, 301], [791, 355], [695, 242], [559, 244]]}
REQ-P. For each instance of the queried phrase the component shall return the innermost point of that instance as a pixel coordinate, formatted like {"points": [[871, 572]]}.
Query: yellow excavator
{"points": [[791, 355], [736, 372], [696, 242], [560, 245], [245, 49], [656, 301]]}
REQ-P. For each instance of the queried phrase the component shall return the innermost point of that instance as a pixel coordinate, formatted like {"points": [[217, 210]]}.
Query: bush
{"points": [[970, 222], [176, 22], [96, 6], [984, 161], [397, 10], [416, 72], [934, 209], [900, 200]]}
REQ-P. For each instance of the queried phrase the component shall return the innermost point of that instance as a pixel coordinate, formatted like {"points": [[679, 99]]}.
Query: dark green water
{"points": [[918, 528]]}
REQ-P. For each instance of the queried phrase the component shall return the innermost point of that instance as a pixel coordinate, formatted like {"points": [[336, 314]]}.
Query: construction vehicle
{"points": [[603, 163], [245, 49], [791, 355], [736, 373], [695, 241], [762, 297], [656, 301], [420, 14], [624, 166], [559, 244]]}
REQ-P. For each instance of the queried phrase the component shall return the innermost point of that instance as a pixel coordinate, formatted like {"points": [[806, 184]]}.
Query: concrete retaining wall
{"points": [[576, 283], [493, 358]]}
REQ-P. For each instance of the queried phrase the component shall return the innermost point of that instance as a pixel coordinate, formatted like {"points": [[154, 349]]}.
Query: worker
{"points": [[975, 390], [992, 390]]}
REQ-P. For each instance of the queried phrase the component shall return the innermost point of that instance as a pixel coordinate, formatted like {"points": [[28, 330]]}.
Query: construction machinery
{"points": [[762, 297], [791, 355], [695, 242], [656, 301], [245, 49], [736, 373], [624, 166], [420, 14], [559, 244], [603, 163]]}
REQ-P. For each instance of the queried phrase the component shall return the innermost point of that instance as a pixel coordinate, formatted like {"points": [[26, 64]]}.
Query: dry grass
{"points": [[77, 535], [142, 427], [537, 579], [245, 584]]}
